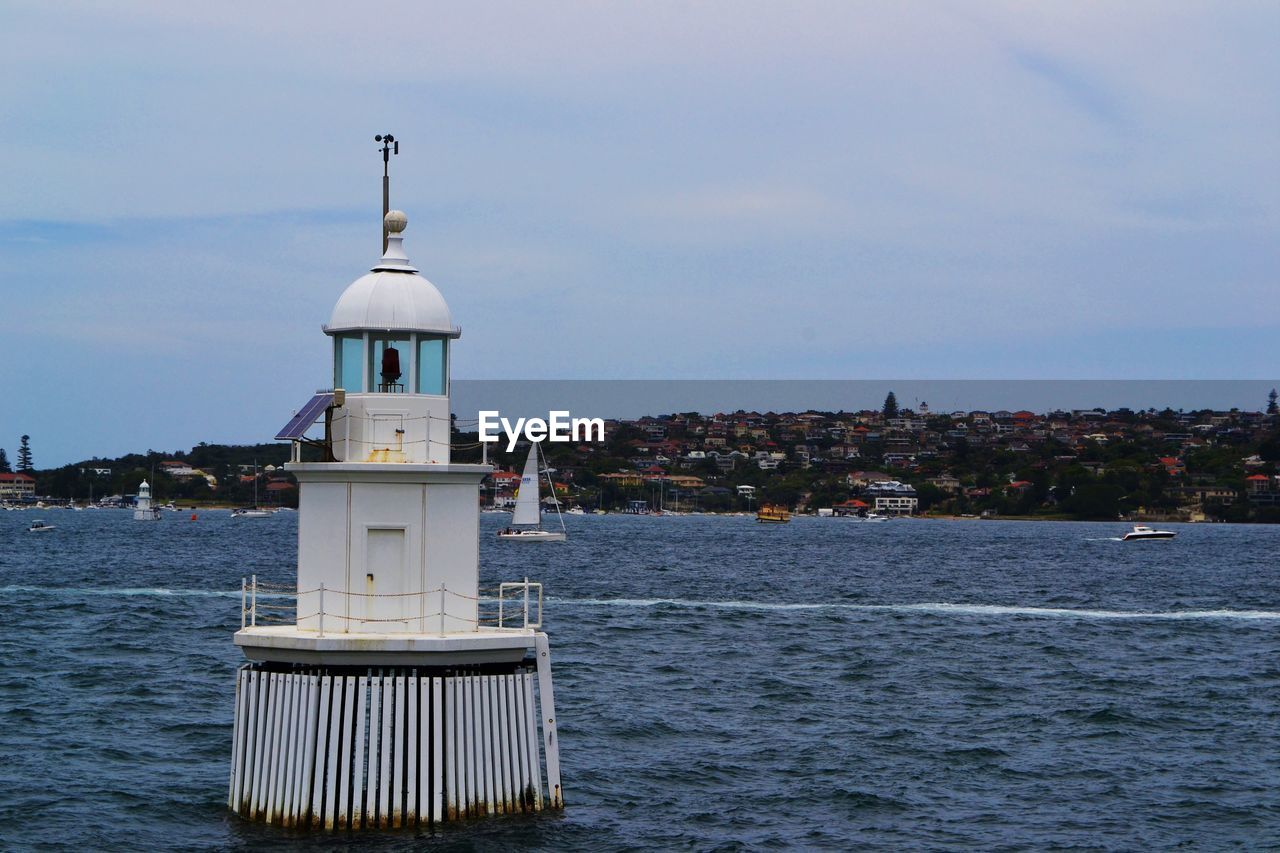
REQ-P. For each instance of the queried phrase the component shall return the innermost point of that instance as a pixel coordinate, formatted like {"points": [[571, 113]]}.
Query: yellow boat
{"points": [[770, 514]]}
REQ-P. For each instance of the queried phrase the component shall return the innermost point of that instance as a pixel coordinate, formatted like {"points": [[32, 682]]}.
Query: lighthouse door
{"points": [[388, 431], [384, 578]]}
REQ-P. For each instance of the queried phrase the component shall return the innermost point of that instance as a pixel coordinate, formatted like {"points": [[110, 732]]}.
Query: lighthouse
{"points": [[386, 689], [142, 508]]}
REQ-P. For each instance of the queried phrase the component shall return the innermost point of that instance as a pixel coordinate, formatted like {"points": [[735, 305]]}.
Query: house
{"points": [[679, 481], [278, 489], [946, 483], [179, 470], [852, 507], [504, 481], [893, 498], [1019, 487], [624, 478], [746, 491], [17, 486], [862, 479], [1209, 494], [1257, 484]]}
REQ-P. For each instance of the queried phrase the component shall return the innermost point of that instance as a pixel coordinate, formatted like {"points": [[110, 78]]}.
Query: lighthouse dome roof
{"points": [[392, 296]]}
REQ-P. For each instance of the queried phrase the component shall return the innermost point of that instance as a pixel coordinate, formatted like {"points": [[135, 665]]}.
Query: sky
{"points": [[712, 190]]}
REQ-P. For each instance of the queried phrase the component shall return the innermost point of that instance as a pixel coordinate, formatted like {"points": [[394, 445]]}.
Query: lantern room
{"points": [[391, 331]]}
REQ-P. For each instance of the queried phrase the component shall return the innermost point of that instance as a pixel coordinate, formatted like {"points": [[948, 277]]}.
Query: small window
{"points": [[347, 361], [432, 366], [388, 363]]}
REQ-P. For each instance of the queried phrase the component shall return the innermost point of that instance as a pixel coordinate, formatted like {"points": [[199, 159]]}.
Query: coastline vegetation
{"points": [[1094, 464]]}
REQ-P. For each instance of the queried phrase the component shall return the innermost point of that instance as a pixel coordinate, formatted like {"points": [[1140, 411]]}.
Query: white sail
{"points": [[528, 510]]}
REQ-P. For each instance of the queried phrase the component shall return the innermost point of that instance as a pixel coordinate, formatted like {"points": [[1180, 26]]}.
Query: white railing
{"points": [[518, 605], [524, 587]]}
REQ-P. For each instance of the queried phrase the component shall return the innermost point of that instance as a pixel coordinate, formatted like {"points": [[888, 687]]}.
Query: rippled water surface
{"points": [[720, 684]]}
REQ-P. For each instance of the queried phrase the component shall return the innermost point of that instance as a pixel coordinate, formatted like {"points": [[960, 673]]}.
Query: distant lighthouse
{"points": [[142, 508], [396, 694]]}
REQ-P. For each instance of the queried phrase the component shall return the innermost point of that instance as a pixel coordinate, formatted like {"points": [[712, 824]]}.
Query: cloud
{"points": [[719, 188]]}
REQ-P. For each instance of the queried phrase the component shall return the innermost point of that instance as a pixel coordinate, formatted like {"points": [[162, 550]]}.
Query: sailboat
{"points": [[526, 520], [255, 511]]}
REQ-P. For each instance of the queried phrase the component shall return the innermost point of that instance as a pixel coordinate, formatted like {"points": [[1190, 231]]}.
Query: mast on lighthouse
{"points": [[388, 699]]}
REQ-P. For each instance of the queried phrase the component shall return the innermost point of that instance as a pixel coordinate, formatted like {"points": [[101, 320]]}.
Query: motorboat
{"points": [[869, 517], [526, 518], [1140, 531], [38, 526]]}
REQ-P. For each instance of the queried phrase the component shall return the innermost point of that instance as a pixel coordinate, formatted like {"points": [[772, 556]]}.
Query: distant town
{"points": [[1082, 464]]}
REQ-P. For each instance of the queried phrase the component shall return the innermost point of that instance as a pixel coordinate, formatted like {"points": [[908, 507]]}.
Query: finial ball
{"points": [[395, 221]]}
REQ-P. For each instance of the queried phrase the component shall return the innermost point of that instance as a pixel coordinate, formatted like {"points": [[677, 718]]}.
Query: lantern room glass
{"points": [[378, 345], [348, 362], [432, 365]]}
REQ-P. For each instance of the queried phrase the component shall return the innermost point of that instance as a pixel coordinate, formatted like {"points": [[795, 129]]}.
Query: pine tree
{"points": [[890, 406], [24, 455], [1272, 407], [4, 462]]}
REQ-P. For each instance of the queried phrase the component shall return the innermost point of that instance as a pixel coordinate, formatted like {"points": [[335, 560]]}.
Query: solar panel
{"points": [[306, 416]]}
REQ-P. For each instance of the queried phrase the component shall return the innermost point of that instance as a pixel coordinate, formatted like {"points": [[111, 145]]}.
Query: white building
{"points": [[17, 486], [387, 698], [142, 508], [893, 498]]}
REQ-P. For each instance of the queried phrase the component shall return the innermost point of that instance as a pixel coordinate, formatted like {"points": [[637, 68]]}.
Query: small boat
{"points": [[869, 517], [526, 518], [577, 510], [254, 511], [771, 514], [528, 534], [1140, 531], [38, 526]]}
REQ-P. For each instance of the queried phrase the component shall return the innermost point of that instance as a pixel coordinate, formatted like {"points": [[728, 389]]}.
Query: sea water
{"points": [[720, 684]]}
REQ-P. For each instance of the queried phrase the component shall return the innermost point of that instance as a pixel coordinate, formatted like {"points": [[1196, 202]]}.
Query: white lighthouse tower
{"points": [[394, 693], [142, 508]]}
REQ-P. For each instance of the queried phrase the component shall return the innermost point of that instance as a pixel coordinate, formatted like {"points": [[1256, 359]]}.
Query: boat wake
{"points": [[930, 607], [938, 608], [130, 591]]}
